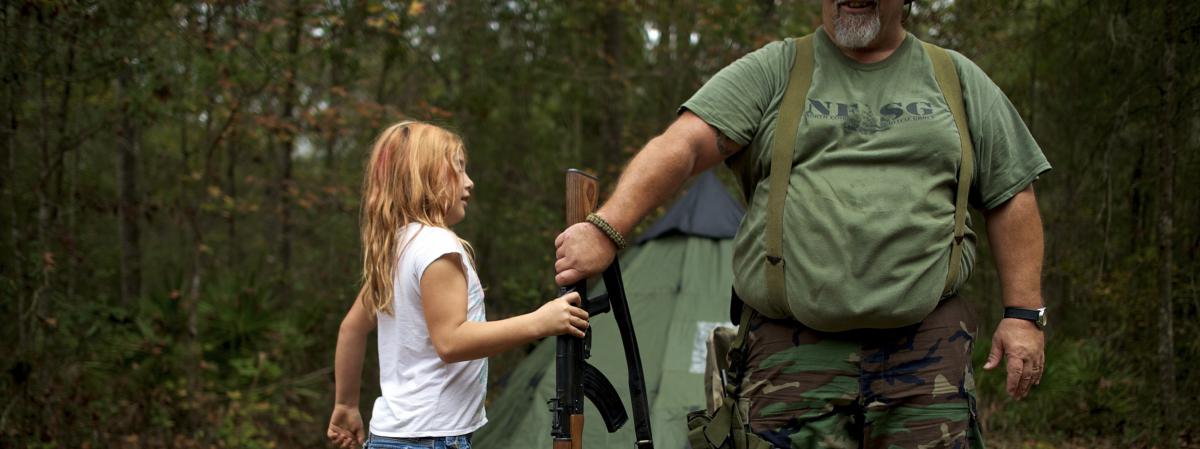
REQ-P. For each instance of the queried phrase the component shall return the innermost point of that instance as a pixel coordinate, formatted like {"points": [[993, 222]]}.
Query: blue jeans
{"points": [[457, 442]]}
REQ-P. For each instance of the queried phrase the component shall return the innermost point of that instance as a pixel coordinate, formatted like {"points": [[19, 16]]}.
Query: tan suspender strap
{"points": [[947, 79], [782, 145]]}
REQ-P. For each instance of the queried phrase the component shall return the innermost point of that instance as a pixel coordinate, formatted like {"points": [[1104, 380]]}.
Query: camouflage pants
{"points": [[905, 388]]}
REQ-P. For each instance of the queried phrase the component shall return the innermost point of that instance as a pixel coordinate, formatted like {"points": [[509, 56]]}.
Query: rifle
{"points": [[574, 377]]}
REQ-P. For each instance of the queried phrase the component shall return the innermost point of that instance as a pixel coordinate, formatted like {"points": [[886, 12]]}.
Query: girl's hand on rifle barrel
{"points": [[561, 315]]}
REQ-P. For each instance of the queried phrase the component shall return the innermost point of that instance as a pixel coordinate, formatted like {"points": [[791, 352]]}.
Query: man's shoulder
{"points": [[766, 63], [782, 50], [966, 66], [975, 81], [973, 78], [774, 57]]}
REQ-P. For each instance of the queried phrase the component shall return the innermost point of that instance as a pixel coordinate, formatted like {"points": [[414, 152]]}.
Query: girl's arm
{"points": [[345, 425], [444, 297]]}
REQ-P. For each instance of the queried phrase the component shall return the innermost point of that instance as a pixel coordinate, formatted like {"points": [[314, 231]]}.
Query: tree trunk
{"points": [[1034, 57], [190, 305], [42, 188], [392, 52], [681, 78], [231, 189], [1137, 198], [128, 202], [284, 186], [188, 203], [13, 33], [46, 206], [614, 103], [345, 44], [63, 144], [66, 143], [389, 56], [1110, 147], [768, 17], [1166, 231]]}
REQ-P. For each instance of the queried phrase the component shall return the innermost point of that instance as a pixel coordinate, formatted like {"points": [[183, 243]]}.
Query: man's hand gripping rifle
{"points": [[574, 377]]}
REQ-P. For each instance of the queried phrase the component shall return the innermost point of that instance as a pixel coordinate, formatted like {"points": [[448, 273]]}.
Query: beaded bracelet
{"points": [[608, 230]]}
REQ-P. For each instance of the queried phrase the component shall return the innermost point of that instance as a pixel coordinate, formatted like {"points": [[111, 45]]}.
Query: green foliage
{"points": [[1085, 393], [132, 376]]}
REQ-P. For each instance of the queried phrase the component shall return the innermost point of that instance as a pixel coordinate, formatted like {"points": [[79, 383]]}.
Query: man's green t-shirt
{"points": [[869, 217]]}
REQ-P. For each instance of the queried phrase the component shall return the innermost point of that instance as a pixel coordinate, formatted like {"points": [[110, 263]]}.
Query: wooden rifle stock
{"points": [[583, 191], [582, 194]]}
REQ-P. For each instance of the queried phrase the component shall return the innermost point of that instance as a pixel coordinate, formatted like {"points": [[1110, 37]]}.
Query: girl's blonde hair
{"points": [[410, 177]]}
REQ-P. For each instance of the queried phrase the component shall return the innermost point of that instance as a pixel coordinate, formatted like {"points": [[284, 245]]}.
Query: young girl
{"points": [[421, 291]]}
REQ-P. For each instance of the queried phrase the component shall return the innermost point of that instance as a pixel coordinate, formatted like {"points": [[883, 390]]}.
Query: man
{"points": [[840, 361]]}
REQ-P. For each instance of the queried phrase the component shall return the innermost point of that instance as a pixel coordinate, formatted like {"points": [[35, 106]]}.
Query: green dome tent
{"points": [[677, 278]]}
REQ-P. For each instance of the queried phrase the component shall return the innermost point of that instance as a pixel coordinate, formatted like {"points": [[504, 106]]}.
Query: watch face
{"points": [[1041, 321]]}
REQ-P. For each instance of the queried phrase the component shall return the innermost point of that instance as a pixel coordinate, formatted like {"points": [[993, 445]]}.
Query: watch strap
{"points": [[1037, 316]]}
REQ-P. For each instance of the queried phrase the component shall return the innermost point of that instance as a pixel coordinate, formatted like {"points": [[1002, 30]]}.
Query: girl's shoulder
{"points": [[418, 235], [424, 244]]}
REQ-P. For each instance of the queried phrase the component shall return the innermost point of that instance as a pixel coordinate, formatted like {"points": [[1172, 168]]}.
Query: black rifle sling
{"points": [[633, 358]]}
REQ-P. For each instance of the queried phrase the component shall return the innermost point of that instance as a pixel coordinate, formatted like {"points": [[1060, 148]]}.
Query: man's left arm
{"points": [[1015, 234]]}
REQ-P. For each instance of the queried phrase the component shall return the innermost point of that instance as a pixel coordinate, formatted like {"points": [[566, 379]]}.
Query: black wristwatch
{"points": [[1037, 316]]}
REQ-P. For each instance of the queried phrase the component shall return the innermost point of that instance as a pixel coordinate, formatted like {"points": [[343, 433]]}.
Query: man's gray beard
{"points": [[856, 30]]}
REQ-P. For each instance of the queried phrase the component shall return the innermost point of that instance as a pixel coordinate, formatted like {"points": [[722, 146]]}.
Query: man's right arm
{"points": [[655, 174]]}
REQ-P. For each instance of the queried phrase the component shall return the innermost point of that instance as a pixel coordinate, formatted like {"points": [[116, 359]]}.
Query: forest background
{"points": [[179, 191]]}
